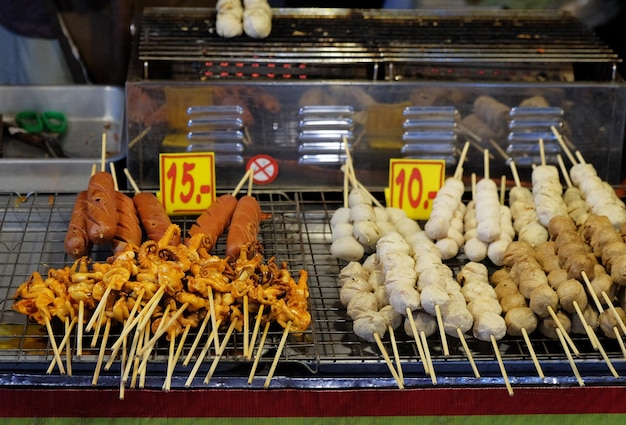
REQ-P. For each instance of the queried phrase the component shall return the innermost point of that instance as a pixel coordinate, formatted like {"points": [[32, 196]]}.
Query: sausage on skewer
{"points": [[244, 225], [77, 241], [153, 217], [128, 228], [101, 210], [215, 219]]}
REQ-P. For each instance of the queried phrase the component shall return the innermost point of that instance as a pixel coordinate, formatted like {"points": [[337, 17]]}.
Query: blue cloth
{"points": [[30, 60]]}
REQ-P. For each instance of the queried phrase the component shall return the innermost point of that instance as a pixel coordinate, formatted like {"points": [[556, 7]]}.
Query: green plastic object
{"points": [[54, 121], [30, 121]]}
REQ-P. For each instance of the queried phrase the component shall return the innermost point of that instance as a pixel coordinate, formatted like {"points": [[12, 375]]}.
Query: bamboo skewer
{"points": [[505, 376], [569, 357], [255, 331], [468, 352], [163, 329], [560, 326], [79, 329], [131, 316], [563, 145], [279, 351], [418, 341], [61, 345], [594, 340], [220, 352], [196, 340], [385, 355], [396, 354], [533, 355], [170, 362], [259, 352], [202, 355], [442, 331], [55, 348], [105, 337], [246, 325], [429, 359]]}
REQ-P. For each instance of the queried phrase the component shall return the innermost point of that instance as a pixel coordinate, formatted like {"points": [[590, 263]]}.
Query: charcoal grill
{"points": [[182, 44]]}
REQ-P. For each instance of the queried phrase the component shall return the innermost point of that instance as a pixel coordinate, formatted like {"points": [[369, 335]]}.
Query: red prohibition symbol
{"points": [[264, 167]]}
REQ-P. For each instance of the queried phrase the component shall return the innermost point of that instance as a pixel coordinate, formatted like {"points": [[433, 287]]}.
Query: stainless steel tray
{"points": [[90, 112], [328, 355]]}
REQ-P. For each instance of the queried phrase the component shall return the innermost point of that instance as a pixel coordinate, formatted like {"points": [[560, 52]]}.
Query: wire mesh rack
{"points": [[296, 232]]}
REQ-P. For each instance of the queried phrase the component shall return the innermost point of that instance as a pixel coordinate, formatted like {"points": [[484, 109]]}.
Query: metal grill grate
{"points": [[496, 44], [296, 231]]}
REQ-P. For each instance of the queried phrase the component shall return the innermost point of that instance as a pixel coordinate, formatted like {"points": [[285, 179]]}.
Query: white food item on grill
{"points": [[479, 305], [424, 322], [547, 193], [341, 215], [456, 316], [391, 316], [385, 227], [489, 324], [366, 232], [534, 233], [362, 212], [358, 196], [395, 214], [353, 287], [487, 206], [353, 270], [403, 297], [347, 248], [434, 295], [362, 303], [393, 242], [228, 20], [257, 19], [340, 230], [370, 324], [448, 248], [381, 214], [407, 226]]}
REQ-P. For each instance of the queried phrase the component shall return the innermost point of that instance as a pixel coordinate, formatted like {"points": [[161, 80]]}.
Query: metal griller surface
{"points": [[296, 231]]}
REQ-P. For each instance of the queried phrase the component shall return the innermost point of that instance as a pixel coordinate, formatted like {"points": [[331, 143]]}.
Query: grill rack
{"points": [[328, 355], [182, 44]]}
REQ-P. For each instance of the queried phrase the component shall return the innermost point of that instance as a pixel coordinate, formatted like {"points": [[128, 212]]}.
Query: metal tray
{"points": [[91, 111], [328, 355]]}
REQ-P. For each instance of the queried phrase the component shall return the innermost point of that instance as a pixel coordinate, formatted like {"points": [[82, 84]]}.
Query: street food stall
{"points": [[301, 270]]}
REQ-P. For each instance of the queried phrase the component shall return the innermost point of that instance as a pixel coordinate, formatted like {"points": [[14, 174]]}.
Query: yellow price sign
{"points": [[413, 184], [187, 182]]}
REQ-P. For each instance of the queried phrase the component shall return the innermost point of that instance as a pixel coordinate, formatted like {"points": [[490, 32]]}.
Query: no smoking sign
{"points": [[264, 167]]}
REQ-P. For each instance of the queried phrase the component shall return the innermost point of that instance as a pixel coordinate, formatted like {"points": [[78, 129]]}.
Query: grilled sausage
{"points": [[153, 217], [128, 228], [77, 241], [215, 218], [244, 225], [101, 210]]}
